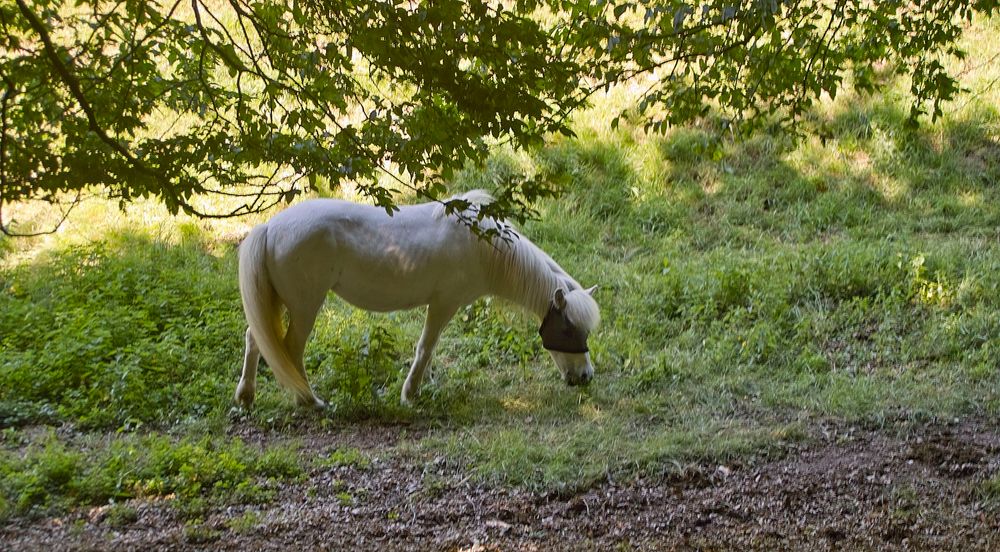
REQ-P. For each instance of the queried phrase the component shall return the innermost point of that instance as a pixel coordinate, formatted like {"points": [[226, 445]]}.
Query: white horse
{"points": [[377, 262]]}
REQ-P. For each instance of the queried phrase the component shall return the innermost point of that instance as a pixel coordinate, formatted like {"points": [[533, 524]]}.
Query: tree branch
{"points": [[69, 79]]}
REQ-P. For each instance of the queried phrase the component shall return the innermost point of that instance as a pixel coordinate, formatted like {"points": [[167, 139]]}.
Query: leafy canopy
{"points": [[262, 99]]}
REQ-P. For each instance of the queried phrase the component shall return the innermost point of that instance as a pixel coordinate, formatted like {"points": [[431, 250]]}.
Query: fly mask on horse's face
{"points": [[566, 342], [558, 334]]}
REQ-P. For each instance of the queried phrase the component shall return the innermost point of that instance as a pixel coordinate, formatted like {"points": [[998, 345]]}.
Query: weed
{"points": [[344, 498], [343, 457], [121, 515], [197, 532], [245, 522]]}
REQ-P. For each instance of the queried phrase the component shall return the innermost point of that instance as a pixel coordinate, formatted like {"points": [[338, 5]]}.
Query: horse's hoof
{"points": [[407, 399], [311, 402], [244, 397]]}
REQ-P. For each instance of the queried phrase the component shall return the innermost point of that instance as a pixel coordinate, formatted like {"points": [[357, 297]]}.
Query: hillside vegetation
{"points": [[750, 291]]}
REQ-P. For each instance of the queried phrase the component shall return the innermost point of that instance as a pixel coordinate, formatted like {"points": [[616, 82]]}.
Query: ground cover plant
{"points": [[753, 292]]}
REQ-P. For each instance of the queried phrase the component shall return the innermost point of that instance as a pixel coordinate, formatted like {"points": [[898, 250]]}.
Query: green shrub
{"points": [[112, 333], [357, 359]]}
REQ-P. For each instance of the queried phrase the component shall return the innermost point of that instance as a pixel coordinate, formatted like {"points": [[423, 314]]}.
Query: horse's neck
{"points": [[524, 274]]}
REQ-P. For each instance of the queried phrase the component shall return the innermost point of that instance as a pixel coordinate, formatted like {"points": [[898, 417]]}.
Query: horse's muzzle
{"points": [[582, 379]]}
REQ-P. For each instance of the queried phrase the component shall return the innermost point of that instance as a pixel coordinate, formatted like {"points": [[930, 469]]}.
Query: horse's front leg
{"points": [[248, 380], [437, 317]]}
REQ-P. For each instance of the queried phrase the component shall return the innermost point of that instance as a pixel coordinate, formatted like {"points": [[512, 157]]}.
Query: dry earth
{"points": [[849, 489]]}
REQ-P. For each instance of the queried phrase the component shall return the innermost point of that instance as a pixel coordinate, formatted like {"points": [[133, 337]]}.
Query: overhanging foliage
{"points": [[261, 99]]}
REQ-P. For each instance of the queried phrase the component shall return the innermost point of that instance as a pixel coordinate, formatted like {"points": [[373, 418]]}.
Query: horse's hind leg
{"points": [[300, 324], [248, 380], [437, 317]]}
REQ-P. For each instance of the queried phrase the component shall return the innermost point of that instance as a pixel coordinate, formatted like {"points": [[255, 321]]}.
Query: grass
{"points": [[989, 493], [47, 475], [749, 290]]}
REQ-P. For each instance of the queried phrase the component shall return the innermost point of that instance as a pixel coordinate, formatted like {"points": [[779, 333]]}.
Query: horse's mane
{"points": [[475, 198], [530, 274]]}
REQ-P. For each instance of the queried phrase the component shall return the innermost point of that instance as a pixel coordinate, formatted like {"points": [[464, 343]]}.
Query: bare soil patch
{"points": [[849, 489]]}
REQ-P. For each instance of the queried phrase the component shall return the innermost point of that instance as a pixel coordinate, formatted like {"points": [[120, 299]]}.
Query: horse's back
{"points": [[371, 259]]}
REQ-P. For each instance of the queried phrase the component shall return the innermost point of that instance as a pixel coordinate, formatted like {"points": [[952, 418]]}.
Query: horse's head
{"points": [[572, 315]]}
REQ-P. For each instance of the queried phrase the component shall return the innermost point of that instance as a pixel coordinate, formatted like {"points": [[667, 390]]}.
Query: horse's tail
{"points": [[262, 308]]}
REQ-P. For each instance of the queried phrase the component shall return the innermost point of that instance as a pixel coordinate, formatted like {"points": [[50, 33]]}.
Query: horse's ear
{"points": [[559, 298], [591, 290]]}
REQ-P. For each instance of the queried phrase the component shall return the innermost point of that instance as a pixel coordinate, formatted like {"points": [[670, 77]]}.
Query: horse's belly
{"points": [[375, 295], [382, 290]]}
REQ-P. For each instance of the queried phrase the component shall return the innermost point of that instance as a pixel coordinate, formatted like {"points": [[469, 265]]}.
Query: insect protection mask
{"points": [[561, 336]]}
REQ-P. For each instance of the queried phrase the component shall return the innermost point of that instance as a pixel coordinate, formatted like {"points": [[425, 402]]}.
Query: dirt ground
{"points": [[849, 489]]}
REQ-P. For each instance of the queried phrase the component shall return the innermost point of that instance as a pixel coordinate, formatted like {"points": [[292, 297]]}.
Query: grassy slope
{"points": [[748, 291]]}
